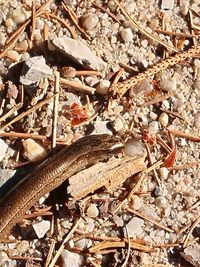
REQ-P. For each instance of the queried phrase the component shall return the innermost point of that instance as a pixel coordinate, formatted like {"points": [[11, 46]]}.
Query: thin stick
{"points": [[70, 29], [185, 166], [106, 11], [196, 222], [55, 108], [184, 135], [150, 220], [53, 262], [143, 31], [22, 115], [173, 113], [77, 86], [129, 248], [157, 100], [50, 252], [179, 34], [33, 20], [88, 73]]}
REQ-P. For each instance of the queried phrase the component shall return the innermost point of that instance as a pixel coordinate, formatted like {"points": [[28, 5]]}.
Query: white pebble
{"points": [[134, 148], [160, 202], [13, 55], [3, 149], [102, 87], [18, 16], [167, 4], [168, 84], [92, 211], [89, 21], [9, 23], [136, 202], [153, 127], [41, 228], [164, 119], [164, 172], [33, 151], [153, 115], [126, 35], [70, 259], [134, 227], [5, 261], [118, 125], [165, 104], [23, 246]]}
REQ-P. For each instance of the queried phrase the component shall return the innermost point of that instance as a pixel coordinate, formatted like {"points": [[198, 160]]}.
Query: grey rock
{"points": [[3, 148], [134, 226], [5, 175], [79, 52], [34, 70], [41, 228], [167, 4], [70, 259]]}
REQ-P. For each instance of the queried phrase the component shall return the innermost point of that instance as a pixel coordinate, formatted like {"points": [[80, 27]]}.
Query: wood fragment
{"points": [[157, 100], [109, 174], [50, 252], [88, 73], [150, 220], [185, 166], [33, 19]]}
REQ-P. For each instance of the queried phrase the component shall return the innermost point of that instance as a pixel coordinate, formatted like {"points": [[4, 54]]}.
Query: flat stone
{"points": [[167, 4], [79, 52], [192, 254], [34, 70], [134, 226], [70, 259], [41, 228], [3, 148], [5, 175]]}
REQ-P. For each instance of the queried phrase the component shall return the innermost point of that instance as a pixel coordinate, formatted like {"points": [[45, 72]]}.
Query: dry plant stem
{"points": [[55, 108], [77, 86], [25, 258], [196, 222], [75, 20], [150, 220], [118, 244], [157, 100], [121, 88], [184, 135], [33, 136], [11, 111], [33, 21], [88, 73], [173, 113], [129, 248], [179, 34], [37, 214], [50, 252], [142, 30], [163, 144], [194, 206], [183, 229], [53, 16], [151, 163], [53, 262], [106, 11], [46, 32], [184, 166], [22, 115]]}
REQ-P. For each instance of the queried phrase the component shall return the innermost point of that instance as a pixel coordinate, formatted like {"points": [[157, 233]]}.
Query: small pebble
{"points": [[165, 104], [153, 127], [160, 202], [9, 23], [158, 191], [134, 226], [136, 202], [102, 87], [118, 221], [197, 120], [5, 261], [70, 259], [33, 151], [92, 211], [164, 172], [13, 55], [23, 246], [164, 119], [168, 84], [12, 91], [127, 35], [134, 148], [3, 148], [118, 125], [167, 4], [41, 228], [18, 16], [89, 21]]}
